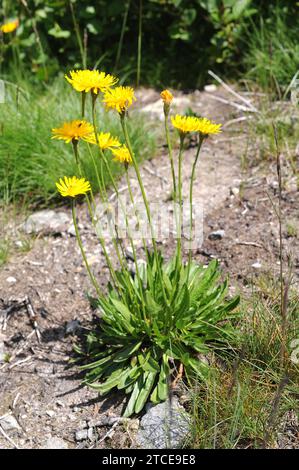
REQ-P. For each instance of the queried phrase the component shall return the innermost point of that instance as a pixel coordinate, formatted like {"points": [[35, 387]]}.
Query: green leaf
{"points": [[145, 391], [125, 353], [163, 388], [136, 390]]}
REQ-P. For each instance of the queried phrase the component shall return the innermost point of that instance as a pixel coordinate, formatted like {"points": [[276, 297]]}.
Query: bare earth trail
{"points": [[38, 387]]}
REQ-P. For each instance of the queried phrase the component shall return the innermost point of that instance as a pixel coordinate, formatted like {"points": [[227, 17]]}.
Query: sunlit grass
{"points": [[30, 162]]}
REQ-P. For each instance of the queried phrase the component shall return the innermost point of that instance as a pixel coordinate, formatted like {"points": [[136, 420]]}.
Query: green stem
{"points": [[139, 43], [111, 269], [191, 200], [122, 33], [180, 200], [170, 154], [145, 201], [83, 99], [104, 199], [78, 35], [103, 192], [92, 278]]}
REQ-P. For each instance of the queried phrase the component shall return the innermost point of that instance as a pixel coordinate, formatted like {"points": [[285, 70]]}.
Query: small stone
{"points": [[72, 327], [47, 221], [210, 88], [50, 413], [55, 443], [2, 349], [71, 231], [11, 280], [83, 434], [166, 425], [235, 191], [256, 265], [10, 423], [217, 235], [155, 109]]}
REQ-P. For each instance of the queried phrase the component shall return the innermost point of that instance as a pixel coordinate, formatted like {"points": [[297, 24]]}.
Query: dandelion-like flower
{"points": [[72, 187], [72, 131], [166, 96], [10, 26], [105, 140], [185, 124], [91, 80], [119, 98], [122, 154], [206, 127]]}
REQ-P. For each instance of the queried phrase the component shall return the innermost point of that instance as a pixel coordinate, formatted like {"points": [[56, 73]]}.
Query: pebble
{"points": [[9, 423], [72, 327], [217, 235], [83, 434], [210, 88], [256, 265], [55, 443], [11, 280], [50, 413]]}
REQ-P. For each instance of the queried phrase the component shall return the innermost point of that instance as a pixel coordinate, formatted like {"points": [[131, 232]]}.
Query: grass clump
{"points": [[244, 403], [272, 59], [30, 162]]}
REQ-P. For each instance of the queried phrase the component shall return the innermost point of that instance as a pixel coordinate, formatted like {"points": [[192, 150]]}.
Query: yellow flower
{"points": [[91, 80], [74, 130], [122, 154], [166, 96], [10, 26], [71, 187], [105, 140], [185, 123], [206, 127], [119, 98]]}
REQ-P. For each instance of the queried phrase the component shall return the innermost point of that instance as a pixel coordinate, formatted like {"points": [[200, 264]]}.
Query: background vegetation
{"points": [[232, 37]]}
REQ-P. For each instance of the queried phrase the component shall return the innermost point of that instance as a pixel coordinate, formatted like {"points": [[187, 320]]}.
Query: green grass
{"points": [[272, 59], [234, 408], [4, 251], [30, 162]]}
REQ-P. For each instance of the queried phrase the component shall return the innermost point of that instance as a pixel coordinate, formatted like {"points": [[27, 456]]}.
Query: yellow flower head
{"points": [[91, 80], [122, 155], [206, 127], [166, 96], [105, 140], [74, 130], [119, 98], [10, 26], [185, 124], [72, 187]]}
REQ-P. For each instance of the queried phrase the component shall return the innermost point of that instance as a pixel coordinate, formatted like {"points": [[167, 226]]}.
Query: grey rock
{"points": [[9, 423], [71, 230], [164, 427], [210, 88], [72, 327], [2, 349], [55, 443], [155, 109], [217, 235], [256, 265], [46, 221], [83, 434]]}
